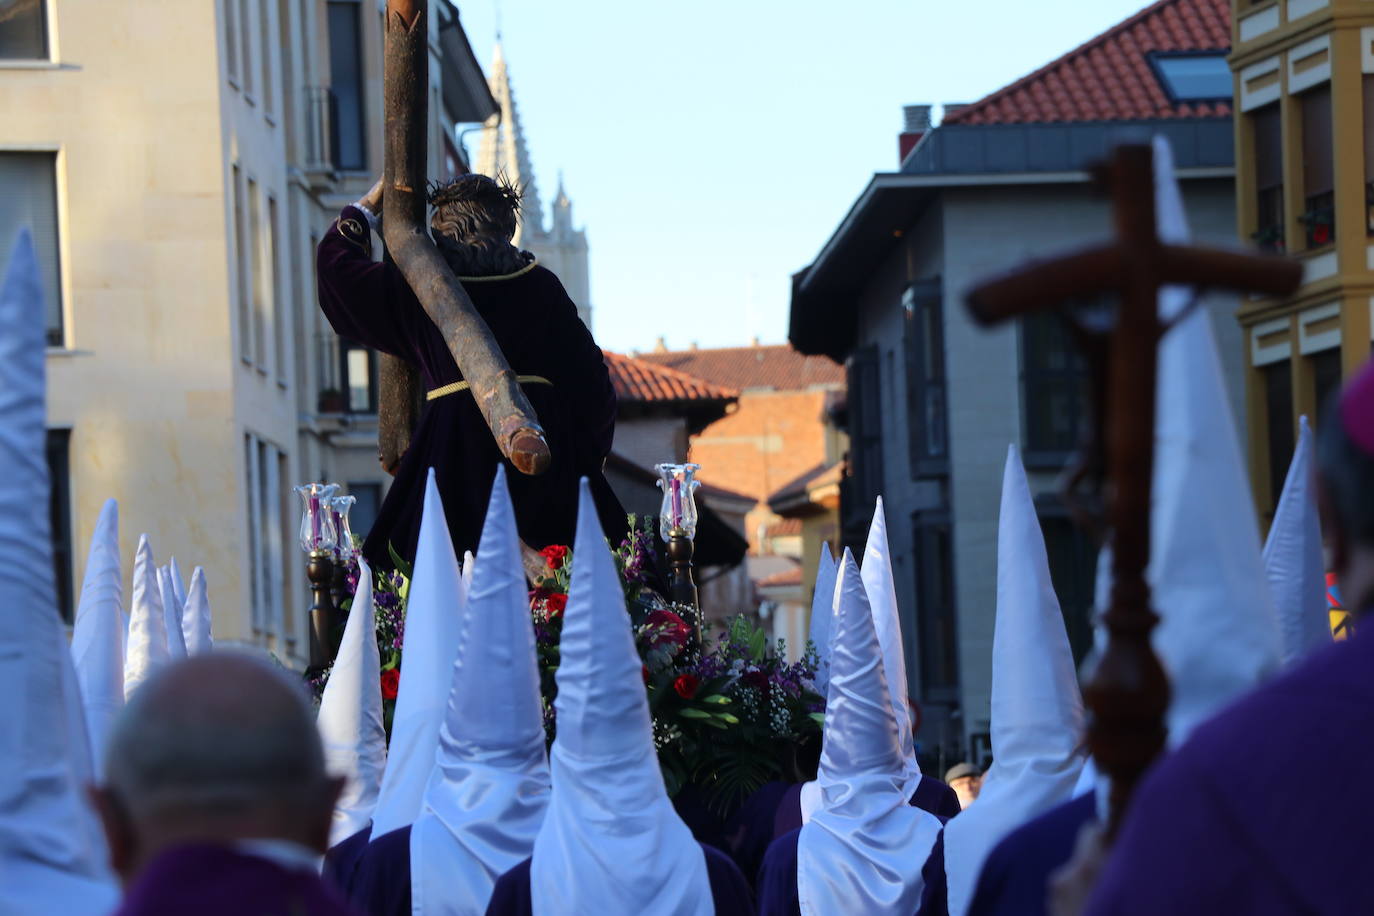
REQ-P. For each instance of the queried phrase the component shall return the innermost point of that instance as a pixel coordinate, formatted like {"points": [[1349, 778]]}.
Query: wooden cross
{"points": [[496, 389], [1128, 692]]}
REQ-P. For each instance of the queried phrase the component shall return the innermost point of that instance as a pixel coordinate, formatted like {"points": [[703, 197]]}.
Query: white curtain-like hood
{"points": [[1293, 560], [486, 797], [430, 643], [350, 717], [822, 615], [611, 843], [147, 644], [863, 848], [195, 614], [1037, 712], [98, 634], [52, 856]]}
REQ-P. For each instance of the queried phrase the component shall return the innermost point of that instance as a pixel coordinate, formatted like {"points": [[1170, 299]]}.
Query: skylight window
{"points": [[1193, 77]]}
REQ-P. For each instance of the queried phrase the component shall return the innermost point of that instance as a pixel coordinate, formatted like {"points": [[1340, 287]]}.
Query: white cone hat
{"points": [[51, 851], [1293, 561], [809, 798], [1037, 711], [611, 841], [98, 634], [430, 644], [486, 798], [195, 615], [887, 619], [147, 646], [822, 614], [171, 614], [350, 717], [179, 587], [863, 849]]}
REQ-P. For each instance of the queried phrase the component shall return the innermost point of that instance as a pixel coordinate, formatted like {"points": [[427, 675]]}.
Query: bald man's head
{"points": [[217, 748]]}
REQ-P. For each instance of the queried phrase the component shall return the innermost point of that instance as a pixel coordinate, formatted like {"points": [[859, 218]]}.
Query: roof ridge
{"points": [[1097, 41], [685, 378]]}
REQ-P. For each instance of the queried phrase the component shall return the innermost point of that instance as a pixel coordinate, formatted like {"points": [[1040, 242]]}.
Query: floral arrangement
{"points": [[729, 713]]}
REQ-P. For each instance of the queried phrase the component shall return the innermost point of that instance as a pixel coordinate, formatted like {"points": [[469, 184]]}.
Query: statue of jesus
{"points": [[561, 370]]}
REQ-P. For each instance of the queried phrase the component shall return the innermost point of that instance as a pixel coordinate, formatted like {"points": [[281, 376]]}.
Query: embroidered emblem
{"points": [[351, 226]]}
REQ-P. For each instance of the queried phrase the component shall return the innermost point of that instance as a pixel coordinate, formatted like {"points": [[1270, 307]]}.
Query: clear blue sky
{"points": [[711, 148]]}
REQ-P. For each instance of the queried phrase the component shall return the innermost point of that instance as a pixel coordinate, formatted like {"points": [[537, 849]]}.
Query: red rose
{"points": [[686, 685], [391, 682], [644, 669], [554, 554], [756, 679], [667, 627], [554, 605]]}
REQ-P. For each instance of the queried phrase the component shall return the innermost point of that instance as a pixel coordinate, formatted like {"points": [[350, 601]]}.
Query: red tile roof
{"points": [[1109, 78], [780, 579], [779, 367], [640, 381]]}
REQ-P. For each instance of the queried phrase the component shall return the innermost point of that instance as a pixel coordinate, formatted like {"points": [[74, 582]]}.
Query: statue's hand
{"points": [[373, 198]]}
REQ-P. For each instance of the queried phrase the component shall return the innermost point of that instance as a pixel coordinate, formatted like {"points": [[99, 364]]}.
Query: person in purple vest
{"points": [[1246, 845], [611, 843], [215, 798]]}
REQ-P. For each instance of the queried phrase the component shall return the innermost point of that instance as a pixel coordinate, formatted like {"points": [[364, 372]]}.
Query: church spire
{"points": [[502, 151]]}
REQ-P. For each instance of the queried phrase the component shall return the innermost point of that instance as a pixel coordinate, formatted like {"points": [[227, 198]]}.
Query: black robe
{"points": [[536, 325]]}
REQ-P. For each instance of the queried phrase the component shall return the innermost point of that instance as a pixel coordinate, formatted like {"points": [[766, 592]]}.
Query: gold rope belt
{"points": [[455, 387]]}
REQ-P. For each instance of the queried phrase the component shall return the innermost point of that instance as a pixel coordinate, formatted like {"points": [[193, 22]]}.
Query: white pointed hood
{"points": [[863, 849], [887, 620], [147, 646], [1037, 712], [809, 798], [1293, 561], [1218, 635], [195, 615], [430, 643], [50, 846], [178, 584], [98, 634], [171, 614], [486, 798], [822, 615], [350, 717], [611, 842]]}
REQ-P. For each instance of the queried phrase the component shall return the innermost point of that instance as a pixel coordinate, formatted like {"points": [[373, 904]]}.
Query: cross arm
{"points": [[1047, 284], [1233, 270]]}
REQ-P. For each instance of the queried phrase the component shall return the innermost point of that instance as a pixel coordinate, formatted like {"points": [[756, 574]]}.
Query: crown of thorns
{"points": [[474, 187]]}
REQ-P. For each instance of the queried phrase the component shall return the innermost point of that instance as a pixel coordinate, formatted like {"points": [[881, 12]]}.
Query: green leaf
{"points": [[818, 718], [688, 712], [727, 718], [401, 565], [718, 699]]}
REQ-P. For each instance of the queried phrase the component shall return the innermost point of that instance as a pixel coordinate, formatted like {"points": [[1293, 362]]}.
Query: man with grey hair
{"points": [[215, 797]]}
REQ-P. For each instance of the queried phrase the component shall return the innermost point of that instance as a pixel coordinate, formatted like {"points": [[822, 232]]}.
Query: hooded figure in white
{"points": [[52, 856], [863, 848], [490, 786], [98, 635], [178, 584], [822, 616], [809, 797], [195, 615], [1293, 560], [350, 717], [611, 843], [1037, 711], [147, 645], [171, 614], [430, 644]]}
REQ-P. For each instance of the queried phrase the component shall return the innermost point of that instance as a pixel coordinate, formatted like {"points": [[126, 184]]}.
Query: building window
{"points": [[24, 30], [1326, 379], [1192, 76], [1278, 399], [1268, 131], [1318, 170], [358, 368], [272, 288], [369, 500], [246, 44], [28, 185], [1073, 570], [346, 85], [231, 43], [924, 342], [1054, 383], [257, 276], [264, 29], [1369, 153], [865, 428], [263, 472], [936, 617], [245, 300], [60, 516]]}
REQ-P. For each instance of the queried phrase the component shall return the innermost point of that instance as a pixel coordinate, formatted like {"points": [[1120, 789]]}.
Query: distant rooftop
{"points": [[639, 380], [759, 366]]}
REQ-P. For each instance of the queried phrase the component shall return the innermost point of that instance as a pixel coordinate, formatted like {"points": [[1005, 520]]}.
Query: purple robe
{"points": [[537, 328], [752, 828], [381, 883], [211, 880], [341, 862], [729, 890], [1219, 826], [777, 879], [1015, 878]]}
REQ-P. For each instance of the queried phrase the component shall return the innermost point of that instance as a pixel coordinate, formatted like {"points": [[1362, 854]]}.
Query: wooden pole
{"points": [[406, 100]]}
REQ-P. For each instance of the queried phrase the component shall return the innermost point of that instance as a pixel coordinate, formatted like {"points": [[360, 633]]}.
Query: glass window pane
{"points": [[364, 513], [359, 382], [23, 30], [60, 516], [346, 84], [28, 185], [1195, 76], [1278, 391]]}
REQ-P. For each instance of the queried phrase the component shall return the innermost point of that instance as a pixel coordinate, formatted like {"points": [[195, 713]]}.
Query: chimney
{"points": [[754, 342], [950, 109], [661, 345], [693, 346], [915, 123]]}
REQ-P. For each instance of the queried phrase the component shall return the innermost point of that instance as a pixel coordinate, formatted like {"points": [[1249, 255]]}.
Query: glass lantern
{"points": [[678, 515], [317, 520], [344, 550]]}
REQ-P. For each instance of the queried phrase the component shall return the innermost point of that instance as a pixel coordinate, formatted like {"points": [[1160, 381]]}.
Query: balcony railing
{"points": [[317, 140]]}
